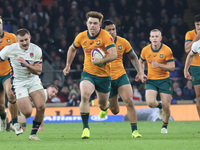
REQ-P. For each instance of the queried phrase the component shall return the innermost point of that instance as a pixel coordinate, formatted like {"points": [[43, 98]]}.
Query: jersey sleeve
{"points": [[128, 47], [38, 57], [142, 55], [195, 47], [109, 42], [14, 38], [188, 37], [169, 56], [77, 42], [4, 53]]}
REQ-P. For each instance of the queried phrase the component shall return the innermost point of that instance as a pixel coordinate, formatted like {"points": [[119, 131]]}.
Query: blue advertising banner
{"points": [[71, 119]]}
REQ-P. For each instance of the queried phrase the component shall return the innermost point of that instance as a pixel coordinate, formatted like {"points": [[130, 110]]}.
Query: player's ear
{"points": [[100, 24]]}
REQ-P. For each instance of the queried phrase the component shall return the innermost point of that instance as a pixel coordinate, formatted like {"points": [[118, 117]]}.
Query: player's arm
{"points": [[170, 66], [4, 53], [70, 57], [142, 65], [36, 68], [134, 60], [188, 44], [110, 57], [188, 62]]}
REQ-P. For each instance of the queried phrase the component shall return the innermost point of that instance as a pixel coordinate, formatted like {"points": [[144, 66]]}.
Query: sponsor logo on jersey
{"points": [[8, 40], [31, 55], [98, 42]]}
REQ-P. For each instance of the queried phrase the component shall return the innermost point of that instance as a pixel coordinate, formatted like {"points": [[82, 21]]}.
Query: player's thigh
{"points": [[126, 93], [8, 90], [151, 96], [197, 90], [24, 105], [166, 99], [102, 97], [38, 98], [7, 85], [86, 88]]}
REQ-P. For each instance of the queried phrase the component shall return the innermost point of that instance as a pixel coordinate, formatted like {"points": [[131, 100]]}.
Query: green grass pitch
{"points": [[107, 136]]}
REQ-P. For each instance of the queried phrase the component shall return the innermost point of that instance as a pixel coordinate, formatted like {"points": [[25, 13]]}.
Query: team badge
{"points": [[31, 55], [8, 40], [119, 47], [98, 42], [161, 55]]}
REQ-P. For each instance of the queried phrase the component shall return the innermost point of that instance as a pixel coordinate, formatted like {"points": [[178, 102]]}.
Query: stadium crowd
{"points": [[55, 23]]}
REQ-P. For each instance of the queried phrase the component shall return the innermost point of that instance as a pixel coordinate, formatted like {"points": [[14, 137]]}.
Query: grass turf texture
{"points": [[181, 136]]}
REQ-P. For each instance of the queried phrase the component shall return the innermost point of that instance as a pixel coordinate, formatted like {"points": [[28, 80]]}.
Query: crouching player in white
{"points": [[50, 92], [26, 64]]}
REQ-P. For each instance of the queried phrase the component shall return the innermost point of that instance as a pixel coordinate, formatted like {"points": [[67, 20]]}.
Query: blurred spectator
{"points": [[177, 73], [64, 94], [188, 91], [60, 29], [73, 99], [177, 92]]}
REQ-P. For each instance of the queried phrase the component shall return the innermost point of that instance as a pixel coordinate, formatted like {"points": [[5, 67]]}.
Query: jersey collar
{"points": [[2, 35], [93, 37], [115, 40], [156, 50]]}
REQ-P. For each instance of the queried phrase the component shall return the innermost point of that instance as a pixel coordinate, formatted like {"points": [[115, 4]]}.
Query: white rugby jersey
{"points": [[196, 47], [32, 55]]}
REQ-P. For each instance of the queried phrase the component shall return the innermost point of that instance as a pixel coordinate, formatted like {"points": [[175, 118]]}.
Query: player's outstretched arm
{"points": [[70, 57]]}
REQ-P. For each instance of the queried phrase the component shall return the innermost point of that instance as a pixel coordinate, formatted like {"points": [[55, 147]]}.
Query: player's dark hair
{"points": [[22, 32], [197, 18], [94, 14], [107, 23], [52, 85]]}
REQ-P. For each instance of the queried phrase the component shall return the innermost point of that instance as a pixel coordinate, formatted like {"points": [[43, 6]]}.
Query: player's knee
{"points": [[115, 111], [151, 104], [11, 97], [85, 97], [128, 102], [27, 114], [41, 109], [198, 98]]}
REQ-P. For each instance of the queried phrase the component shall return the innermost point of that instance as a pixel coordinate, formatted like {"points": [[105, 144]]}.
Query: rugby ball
{"points": [[98, 53]]}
